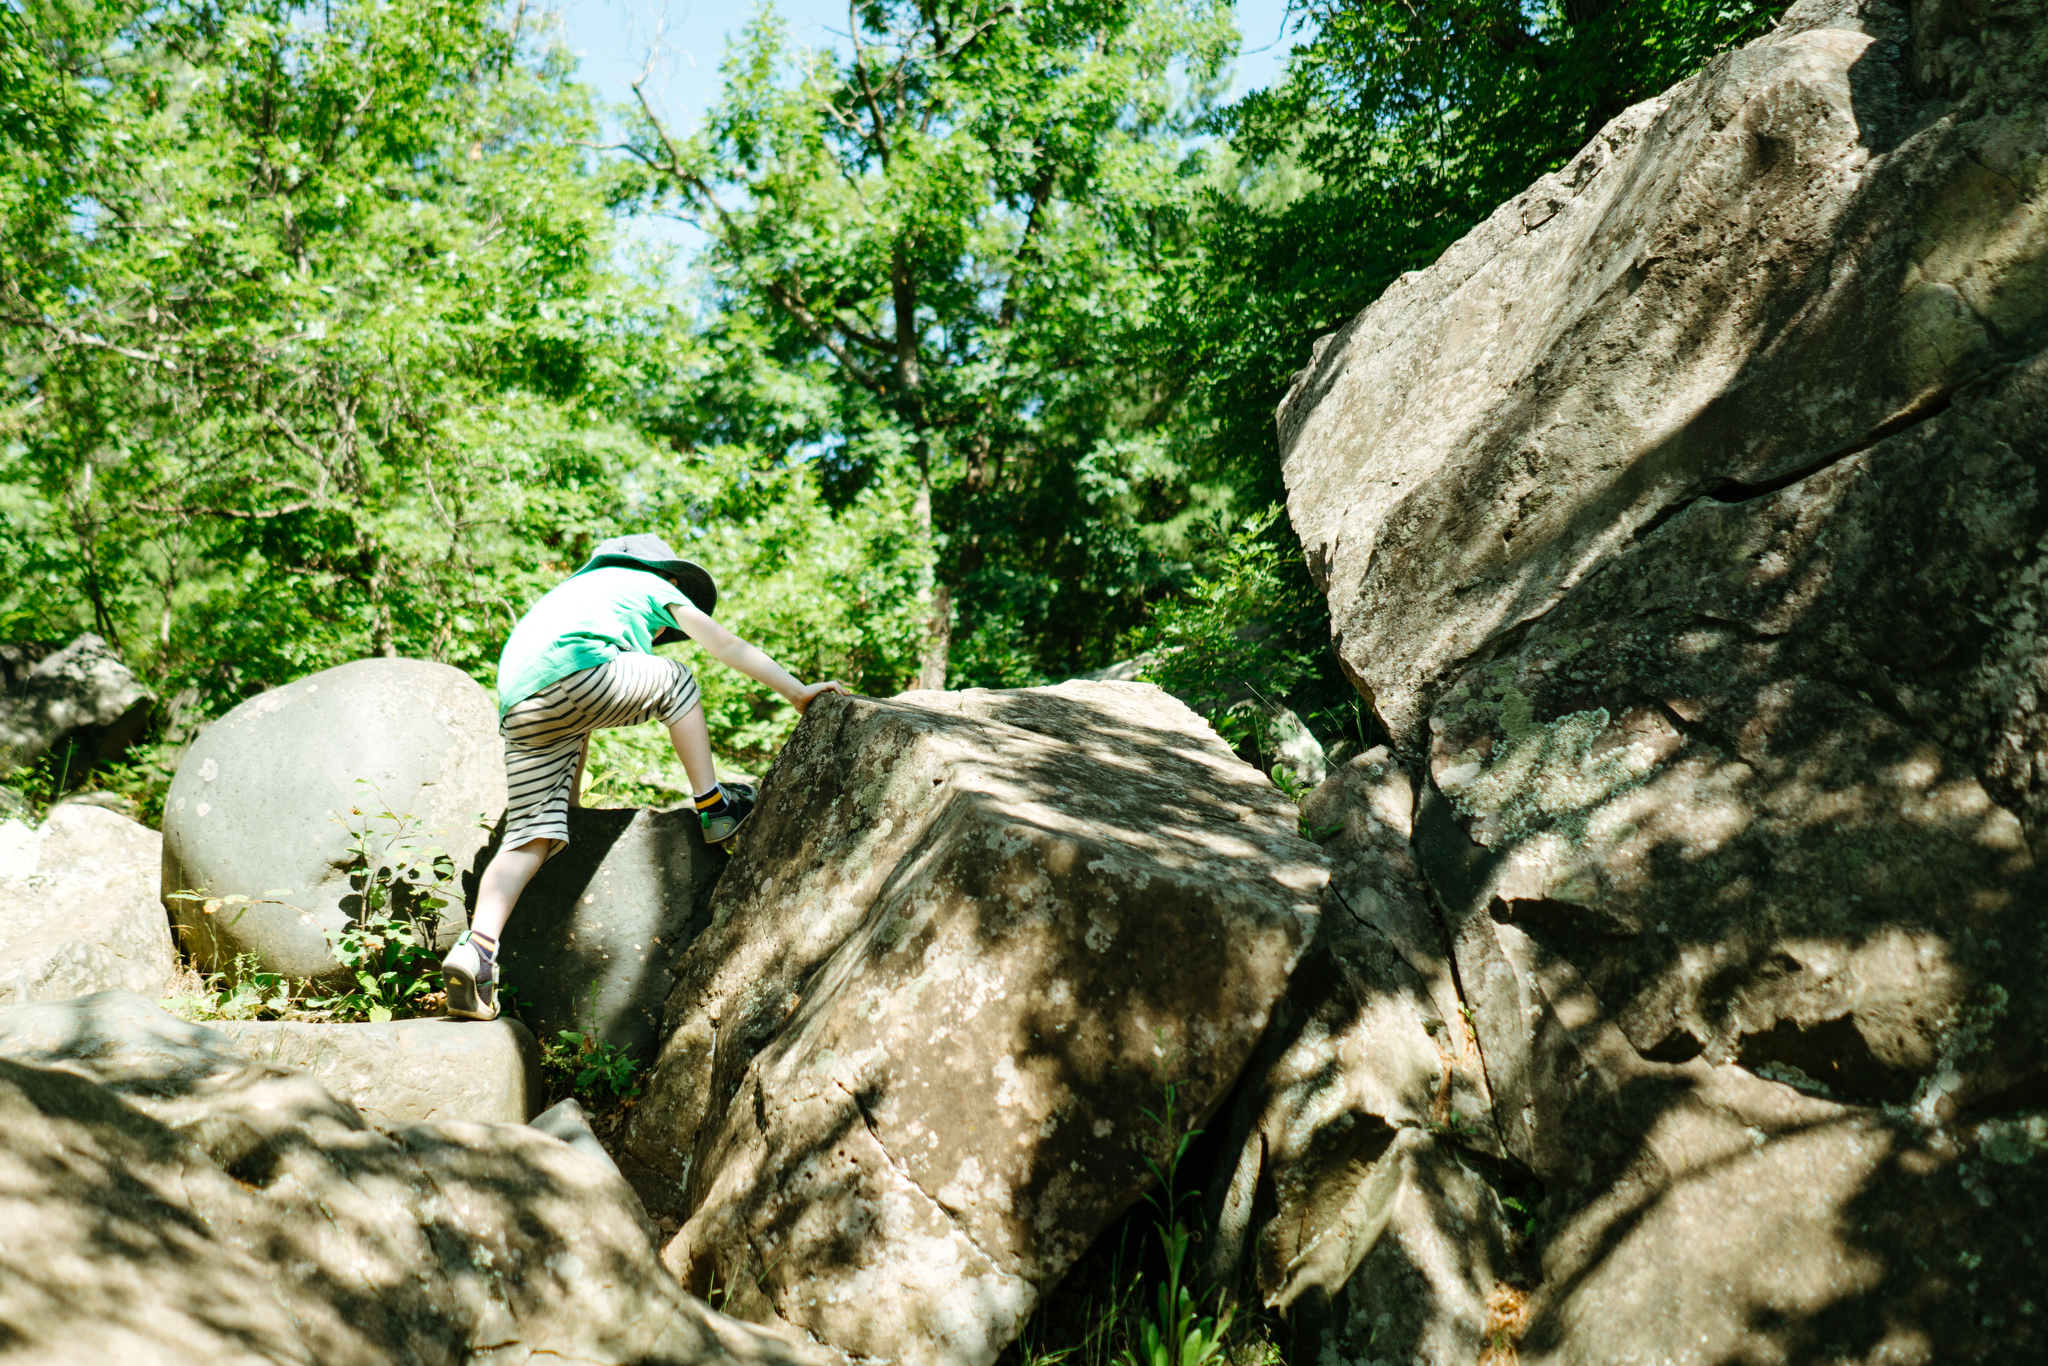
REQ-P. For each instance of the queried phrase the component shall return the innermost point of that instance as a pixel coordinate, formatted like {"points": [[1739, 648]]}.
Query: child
{"points": [[582, 660]]}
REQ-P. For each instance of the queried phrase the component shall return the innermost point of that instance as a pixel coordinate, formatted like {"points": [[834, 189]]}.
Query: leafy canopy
{"points": [[956, 223]]}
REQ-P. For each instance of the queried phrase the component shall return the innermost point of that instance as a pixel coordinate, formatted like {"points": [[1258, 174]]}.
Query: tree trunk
{"points": [[938, 629], [938, 639]]}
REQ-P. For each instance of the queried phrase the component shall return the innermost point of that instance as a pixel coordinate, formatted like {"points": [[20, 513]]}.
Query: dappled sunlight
{"points": [[918, 1045], [1696, 547], [244, 1208]]}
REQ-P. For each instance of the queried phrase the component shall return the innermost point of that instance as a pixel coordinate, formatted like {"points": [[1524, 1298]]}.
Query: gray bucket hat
{"points": [[651, 552]]}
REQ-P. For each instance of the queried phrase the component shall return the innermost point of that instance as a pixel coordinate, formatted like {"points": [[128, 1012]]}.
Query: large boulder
{"points": [[168, 1200], [599, 931], [82, 694], [1684, 526], [963, 947], [408, 1070], [78, 907], [1355, 1190], [269, 799]]}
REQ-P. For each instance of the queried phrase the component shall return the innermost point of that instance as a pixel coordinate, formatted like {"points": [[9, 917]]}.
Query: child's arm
{"points": [[736, 654]]}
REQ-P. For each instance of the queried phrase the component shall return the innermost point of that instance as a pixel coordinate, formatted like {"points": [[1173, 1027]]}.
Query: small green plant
{"points": [[393, 864], [1214, 645], [1178, 1333], [1283, 778], [393, 965], [244, 992], [595, 1072], [402, 882]]}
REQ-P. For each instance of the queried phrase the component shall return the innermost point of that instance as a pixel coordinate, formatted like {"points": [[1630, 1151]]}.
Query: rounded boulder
{"points": [[282, 808]]}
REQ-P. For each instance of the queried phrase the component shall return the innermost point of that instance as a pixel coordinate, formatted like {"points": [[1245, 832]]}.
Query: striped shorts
{"points": [[544, 735]]}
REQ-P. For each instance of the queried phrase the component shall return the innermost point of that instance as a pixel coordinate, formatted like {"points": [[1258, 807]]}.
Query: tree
{"points": [[959, 219], [1400, 125], [338, 295]]}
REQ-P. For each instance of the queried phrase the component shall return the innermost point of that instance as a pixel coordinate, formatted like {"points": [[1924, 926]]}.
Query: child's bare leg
{"points": [[692, 739], [505, 877]]}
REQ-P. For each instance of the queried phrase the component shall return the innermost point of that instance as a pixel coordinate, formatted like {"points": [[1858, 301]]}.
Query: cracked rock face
{"points": [[963, 942], [1789, 254], [1687, 527]]}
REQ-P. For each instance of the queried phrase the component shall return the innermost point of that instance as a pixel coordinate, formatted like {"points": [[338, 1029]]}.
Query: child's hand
{"points": [[802, 700]]}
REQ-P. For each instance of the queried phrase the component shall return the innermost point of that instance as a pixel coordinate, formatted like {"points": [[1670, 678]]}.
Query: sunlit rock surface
{"points": [[79, 910], [964, 944], [403, 1071], [269, 799], [1684, 525], [167, 1200]]}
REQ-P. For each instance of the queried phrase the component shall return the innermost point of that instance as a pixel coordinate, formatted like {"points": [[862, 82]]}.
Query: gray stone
{"points": [[408, 1070], [567, 1121], [962, 943], [78, 907], [81, 694], [595, 941], [1292, 746], [1684, 527], [268, 798], [1406, 1271], [168, 1200]]}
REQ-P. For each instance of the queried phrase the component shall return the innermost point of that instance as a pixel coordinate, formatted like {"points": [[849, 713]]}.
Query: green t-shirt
{"points": [[590, 619]]}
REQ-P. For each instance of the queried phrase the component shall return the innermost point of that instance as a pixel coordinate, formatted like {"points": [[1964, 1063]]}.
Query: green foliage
{"points": [[946, 234], [337, 300], [1247, 631], [245, 992], [395, 868], [402, 883], [392, 966], [597, 1074], [1178, 1332], [318, 345]]}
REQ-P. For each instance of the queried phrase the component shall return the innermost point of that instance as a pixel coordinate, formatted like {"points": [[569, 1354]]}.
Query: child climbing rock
{"points": [[580, 661]]}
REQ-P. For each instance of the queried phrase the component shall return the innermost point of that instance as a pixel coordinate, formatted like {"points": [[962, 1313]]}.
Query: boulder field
{"points": [[1665, 989]]}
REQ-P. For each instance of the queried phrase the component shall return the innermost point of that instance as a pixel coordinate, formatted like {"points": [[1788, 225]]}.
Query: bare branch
{"points": [[285, 428], [867, 89], [71, 336], [1040, 193], [243, 514], [793, 304]]}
